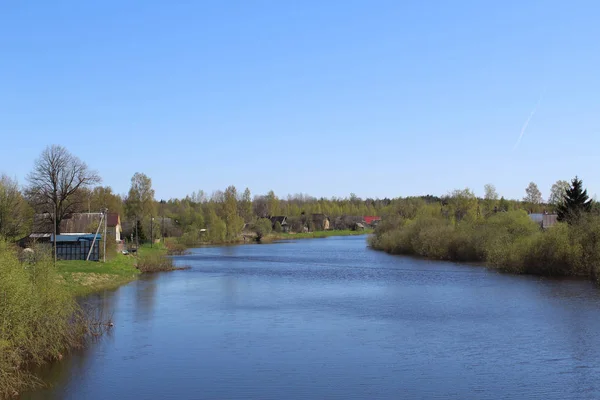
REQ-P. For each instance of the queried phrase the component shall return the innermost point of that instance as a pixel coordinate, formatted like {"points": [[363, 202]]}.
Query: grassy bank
{"points": [[84, 277], [315, 235], [508, 241]]}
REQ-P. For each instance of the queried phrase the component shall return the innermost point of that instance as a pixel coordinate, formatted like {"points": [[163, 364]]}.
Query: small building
{"points": [[372, 221], [113, 227], [77, 247], [544, 220], [359, 226], [282, 221], [321, 222], [549, 220]]}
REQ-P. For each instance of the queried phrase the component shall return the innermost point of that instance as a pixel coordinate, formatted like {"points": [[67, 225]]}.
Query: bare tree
{"points": [[55, 184]]}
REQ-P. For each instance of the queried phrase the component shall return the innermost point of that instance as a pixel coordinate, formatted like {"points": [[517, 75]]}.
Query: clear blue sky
{"points": [[379, 98]]}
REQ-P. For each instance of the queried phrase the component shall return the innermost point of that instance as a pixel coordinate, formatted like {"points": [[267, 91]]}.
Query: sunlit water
{"points": [[332, 319]]}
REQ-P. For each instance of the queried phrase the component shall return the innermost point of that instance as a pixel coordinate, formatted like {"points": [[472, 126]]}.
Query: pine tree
{"points": [[575, 202]]}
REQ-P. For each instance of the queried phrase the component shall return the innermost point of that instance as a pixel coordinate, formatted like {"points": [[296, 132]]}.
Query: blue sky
{"points": [[379, 98]]}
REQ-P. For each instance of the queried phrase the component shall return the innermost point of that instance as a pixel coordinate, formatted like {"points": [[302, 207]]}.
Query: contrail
{"points": [[527, 122]]}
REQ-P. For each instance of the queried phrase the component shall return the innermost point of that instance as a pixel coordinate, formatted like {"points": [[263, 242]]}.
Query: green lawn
{"points": [[85, 277]]}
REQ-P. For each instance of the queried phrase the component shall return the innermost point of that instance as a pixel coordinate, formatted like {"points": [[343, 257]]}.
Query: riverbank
{"points": [[83, 277], [40, 310], [314, 235], [509, 241]]}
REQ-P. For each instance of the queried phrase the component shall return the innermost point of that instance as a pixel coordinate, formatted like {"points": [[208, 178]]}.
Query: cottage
{"points": [[282, 221], [321, 222]]}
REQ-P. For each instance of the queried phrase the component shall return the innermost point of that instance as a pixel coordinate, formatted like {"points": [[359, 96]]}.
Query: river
{"points": [[333, 319]]}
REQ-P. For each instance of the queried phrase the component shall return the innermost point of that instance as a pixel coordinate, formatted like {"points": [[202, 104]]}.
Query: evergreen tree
{"points": [[575, 202]]}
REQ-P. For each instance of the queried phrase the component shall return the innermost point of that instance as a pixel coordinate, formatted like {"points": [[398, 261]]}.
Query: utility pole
{"points": [[54, 227], [162, 227], [137, 237], [55, 201], [105, 226]]}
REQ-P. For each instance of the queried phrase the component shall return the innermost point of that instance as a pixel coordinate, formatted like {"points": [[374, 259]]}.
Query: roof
{"points": [[74, 223], [112, 219], [537, 217], [319, 217], [75, 238], [369, 220], [279, 218]]}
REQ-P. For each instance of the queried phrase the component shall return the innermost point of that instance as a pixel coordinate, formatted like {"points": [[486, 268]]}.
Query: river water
{"points": [[333, 319]]}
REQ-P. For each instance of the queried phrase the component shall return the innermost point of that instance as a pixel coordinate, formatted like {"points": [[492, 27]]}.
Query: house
{"points": [[321, 222], [346, 222], [359, 226], [79, 224], [77, 247], [282, 221], [113, 227], [372, 220], [544, 220]]}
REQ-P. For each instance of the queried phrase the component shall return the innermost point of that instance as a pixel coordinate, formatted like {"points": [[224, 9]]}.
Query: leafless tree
{"points": [[55, 183]]}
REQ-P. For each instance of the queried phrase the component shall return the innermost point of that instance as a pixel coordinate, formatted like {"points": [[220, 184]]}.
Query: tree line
{"points": [[61, 184]]}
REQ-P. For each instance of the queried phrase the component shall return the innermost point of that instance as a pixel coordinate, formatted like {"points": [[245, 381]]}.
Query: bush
{"points": [[41, 320], [175, 248], [262, 227], [509, 241], [155, 263]]}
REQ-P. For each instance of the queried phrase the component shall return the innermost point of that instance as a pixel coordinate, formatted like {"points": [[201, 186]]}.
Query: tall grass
{"points": [[156, 262], [39, 319], [508, 241]]}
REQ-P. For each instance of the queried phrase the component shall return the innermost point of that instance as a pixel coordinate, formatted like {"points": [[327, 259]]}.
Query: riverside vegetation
{"points": [[464, 228], [40, 316]]}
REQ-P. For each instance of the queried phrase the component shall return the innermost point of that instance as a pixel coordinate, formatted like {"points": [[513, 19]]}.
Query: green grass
{"points": [[85, 277]]}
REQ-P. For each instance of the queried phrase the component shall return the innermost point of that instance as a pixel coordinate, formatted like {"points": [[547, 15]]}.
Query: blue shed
{"points": [[77, 247]]}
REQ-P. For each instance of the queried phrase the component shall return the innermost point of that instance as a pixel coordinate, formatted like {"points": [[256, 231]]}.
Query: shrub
{"points": [[175, 248], [262, 227], [155, 263], [41, 320]]}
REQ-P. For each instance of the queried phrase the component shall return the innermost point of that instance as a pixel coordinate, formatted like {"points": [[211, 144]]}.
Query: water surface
{"points": [[332, 319]]}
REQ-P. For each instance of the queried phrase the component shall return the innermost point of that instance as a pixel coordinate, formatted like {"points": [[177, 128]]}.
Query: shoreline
{"points": [[84, 278]]}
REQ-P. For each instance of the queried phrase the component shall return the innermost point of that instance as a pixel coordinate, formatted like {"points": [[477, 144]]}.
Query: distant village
{"points": [[82, 234]]}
